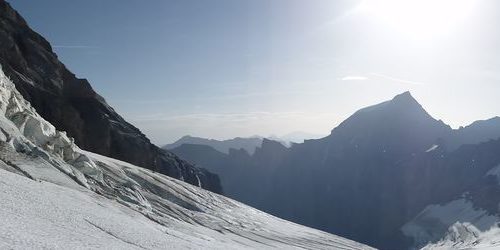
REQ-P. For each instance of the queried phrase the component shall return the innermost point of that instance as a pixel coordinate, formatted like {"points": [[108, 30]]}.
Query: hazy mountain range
{"points": [[56, 195], [249, 144], [223, 146], [75, 174], [374, 178]]}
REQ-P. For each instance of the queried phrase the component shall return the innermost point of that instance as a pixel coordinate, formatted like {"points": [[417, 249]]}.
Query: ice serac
{"points": [[56, 196], [71, 105]]}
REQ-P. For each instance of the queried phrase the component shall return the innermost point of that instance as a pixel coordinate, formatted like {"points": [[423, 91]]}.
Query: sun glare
{"points": [[420, 19]]}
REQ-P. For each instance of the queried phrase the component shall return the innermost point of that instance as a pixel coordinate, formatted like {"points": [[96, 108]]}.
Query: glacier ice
{"points": [[55, 195]]}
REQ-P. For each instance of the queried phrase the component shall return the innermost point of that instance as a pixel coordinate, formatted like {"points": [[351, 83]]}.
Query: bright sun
{"points": [[420, 19]]}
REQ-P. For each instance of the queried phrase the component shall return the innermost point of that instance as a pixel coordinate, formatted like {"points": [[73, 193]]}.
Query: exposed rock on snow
{"points": [[436, 220], [75, 199], [467, 236]]}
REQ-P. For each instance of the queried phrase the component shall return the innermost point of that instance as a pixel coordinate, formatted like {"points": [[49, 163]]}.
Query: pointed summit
{"points": [[405, 96], [403, 109], [397, 122], [406, 99], [403, 103]]}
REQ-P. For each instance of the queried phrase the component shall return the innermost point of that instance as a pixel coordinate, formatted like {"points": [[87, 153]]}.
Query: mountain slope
{"points": [[55, 195], [244, 176], [355, 167], [478, 131], [393, 158], [73, 106], [399, 126], [387, 157], [202, 155]]}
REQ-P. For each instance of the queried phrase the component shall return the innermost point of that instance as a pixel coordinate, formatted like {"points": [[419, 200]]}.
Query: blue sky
{"points": [[226, 68]]}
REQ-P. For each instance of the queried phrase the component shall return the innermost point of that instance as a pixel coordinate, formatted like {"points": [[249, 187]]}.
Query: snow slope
{"points": [[435, 221], [55, 195], [457, 224], [467, 236]]}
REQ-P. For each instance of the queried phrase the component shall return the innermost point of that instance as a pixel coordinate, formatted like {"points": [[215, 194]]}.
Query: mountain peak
{"points": [[405, 102], [402, 103], [404, 96], [402, 116]]}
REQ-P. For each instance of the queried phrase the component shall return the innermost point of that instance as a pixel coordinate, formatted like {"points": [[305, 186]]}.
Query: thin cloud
{"points": [[354, 78], [223, 97], [230, 117], [398, 80], [74, 47]]}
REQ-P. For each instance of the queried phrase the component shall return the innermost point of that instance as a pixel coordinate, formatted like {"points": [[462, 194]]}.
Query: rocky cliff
{"points": [[73, 106]]}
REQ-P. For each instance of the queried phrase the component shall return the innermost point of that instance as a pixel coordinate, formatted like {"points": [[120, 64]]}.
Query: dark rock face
{"points": [[354, 177], [376, 171], [245, 176], [73, 106], [372, 174], [478, 131]]}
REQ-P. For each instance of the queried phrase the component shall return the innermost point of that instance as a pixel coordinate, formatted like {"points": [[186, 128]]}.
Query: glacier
{"points": [[441, 222], [463, 235], [58, 196]]}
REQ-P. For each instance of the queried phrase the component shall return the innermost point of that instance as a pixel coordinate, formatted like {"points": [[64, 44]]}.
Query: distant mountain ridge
{"points": [[393, 158], [296, 137], [249, 144], [478, 131]]}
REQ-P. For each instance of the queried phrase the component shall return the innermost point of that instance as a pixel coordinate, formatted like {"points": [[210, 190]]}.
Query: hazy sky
{"points": [[226, 68]]}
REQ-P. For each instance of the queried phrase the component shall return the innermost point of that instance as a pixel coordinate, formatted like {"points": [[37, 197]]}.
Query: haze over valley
{"points": [[221, 124]]}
